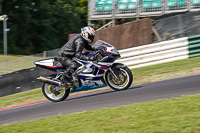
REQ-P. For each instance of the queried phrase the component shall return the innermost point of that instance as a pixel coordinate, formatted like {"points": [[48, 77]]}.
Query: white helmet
{"points": [[88, 34]]}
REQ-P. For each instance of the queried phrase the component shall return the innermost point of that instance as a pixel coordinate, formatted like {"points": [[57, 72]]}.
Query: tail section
{"points": [[50, 64]]}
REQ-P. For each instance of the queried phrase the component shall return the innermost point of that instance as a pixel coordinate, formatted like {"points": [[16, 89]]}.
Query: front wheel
{"points": [[124, 81], [55, 93]]}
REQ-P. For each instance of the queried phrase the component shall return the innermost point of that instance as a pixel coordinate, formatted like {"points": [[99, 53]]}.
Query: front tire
{"points": [[125, 78], [51, 92]]}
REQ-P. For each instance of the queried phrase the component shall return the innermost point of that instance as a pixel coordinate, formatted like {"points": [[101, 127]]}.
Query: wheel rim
{"points": [[48, 90], [122, 82]]}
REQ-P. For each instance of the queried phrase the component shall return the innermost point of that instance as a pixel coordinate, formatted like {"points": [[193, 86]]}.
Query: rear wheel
{"points": [[55, 93], [124, 81]]}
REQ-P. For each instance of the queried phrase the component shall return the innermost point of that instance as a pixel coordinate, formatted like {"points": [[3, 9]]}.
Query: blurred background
{"points": [[37, 28]]}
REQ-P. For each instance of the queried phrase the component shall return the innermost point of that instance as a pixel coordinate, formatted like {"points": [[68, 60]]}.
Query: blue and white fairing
{"points": [[92, 76]]}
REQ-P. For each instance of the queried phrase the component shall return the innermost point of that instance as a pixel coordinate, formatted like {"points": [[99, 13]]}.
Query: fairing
{"points": [[92, 76]]}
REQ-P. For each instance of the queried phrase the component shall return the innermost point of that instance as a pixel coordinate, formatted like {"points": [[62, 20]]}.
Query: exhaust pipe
{"points": [[49, 81]]}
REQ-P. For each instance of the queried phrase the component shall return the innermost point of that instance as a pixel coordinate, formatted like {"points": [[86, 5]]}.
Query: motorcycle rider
{"points": [[74, 48]]}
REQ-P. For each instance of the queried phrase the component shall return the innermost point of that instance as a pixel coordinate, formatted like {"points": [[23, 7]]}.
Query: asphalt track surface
{"points": [[106, 98]]}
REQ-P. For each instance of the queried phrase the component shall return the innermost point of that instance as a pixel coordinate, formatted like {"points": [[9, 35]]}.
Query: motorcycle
{"points": [[91, 75]]}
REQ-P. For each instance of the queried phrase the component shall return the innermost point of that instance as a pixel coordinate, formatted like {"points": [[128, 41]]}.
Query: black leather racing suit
{"points": [[73, 48]]}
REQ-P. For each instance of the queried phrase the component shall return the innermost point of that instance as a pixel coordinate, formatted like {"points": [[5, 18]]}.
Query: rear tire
{"points": [[47, 90], [125, 79]]}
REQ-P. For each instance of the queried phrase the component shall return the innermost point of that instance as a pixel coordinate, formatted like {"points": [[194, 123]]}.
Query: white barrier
{"points": [[154, 47], [160, 61], [156, 53]]}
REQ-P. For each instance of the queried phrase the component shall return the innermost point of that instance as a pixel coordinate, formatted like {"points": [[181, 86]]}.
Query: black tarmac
{"points": [[104, 99]]}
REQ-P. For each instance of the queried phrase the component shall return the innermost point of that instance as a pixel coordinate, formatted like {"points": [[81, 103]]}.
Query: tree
{"points": [[40, 25]]}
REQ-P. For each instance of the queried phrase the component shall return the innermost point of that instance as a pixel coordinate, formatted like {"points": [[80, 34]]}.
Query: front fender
{"points": [[118, 65]]}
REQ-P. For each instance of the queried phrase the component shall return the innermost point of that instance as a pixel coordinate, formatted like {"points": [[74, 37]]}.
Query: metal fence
{"points": [[113, 9]]}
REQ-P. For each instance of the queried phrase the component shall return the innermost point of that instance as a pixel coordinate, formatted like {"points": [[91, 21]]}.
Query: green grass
{"points": [[177, 115], [9, 57], [169, 70], [146, 74], [20, 98], [17, 62]]}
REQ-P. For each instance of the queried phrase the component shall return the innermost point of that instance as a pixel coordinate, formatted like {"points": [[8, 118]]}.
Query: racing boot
{"points": [[75, 80], [67, 79], [71, 78]]}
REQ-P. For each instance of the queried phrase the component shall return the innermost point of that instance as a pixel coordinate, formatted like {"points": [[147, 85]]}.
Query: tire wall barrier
{"points": [[162, 52], [194, 46], [21, 80]]}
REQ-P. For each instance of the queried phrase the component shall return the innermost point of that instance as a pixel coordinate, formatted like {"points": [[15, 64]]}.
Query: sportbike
{"points": [[91, 75]]}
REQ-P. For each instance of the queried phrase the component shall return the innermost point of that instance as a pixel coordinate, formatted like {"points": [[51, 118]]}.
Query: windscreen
{"points": [[101, 43], [109, 48]]}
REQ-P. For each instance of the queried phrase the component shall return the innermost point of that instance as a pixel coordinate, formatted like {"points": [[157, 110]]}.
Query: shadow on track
{"points": [[103, 93]]}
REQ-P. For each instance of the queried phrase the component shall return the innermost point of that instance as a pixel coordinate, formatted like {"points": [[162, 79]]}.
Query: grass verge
{"points": [[17, 62], [169, 70], [177, 115], [9, 57], [158, 72], [20, 98]]}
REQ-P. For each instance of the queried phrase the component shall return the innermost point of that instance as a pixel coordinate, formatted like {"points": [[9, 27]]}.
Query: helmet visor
{"points": [[90, 38]]}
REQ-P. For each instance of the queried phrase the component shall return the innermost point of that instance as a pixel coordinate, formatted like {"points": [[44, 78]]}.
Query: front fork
{"points": [[113, 74]]}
